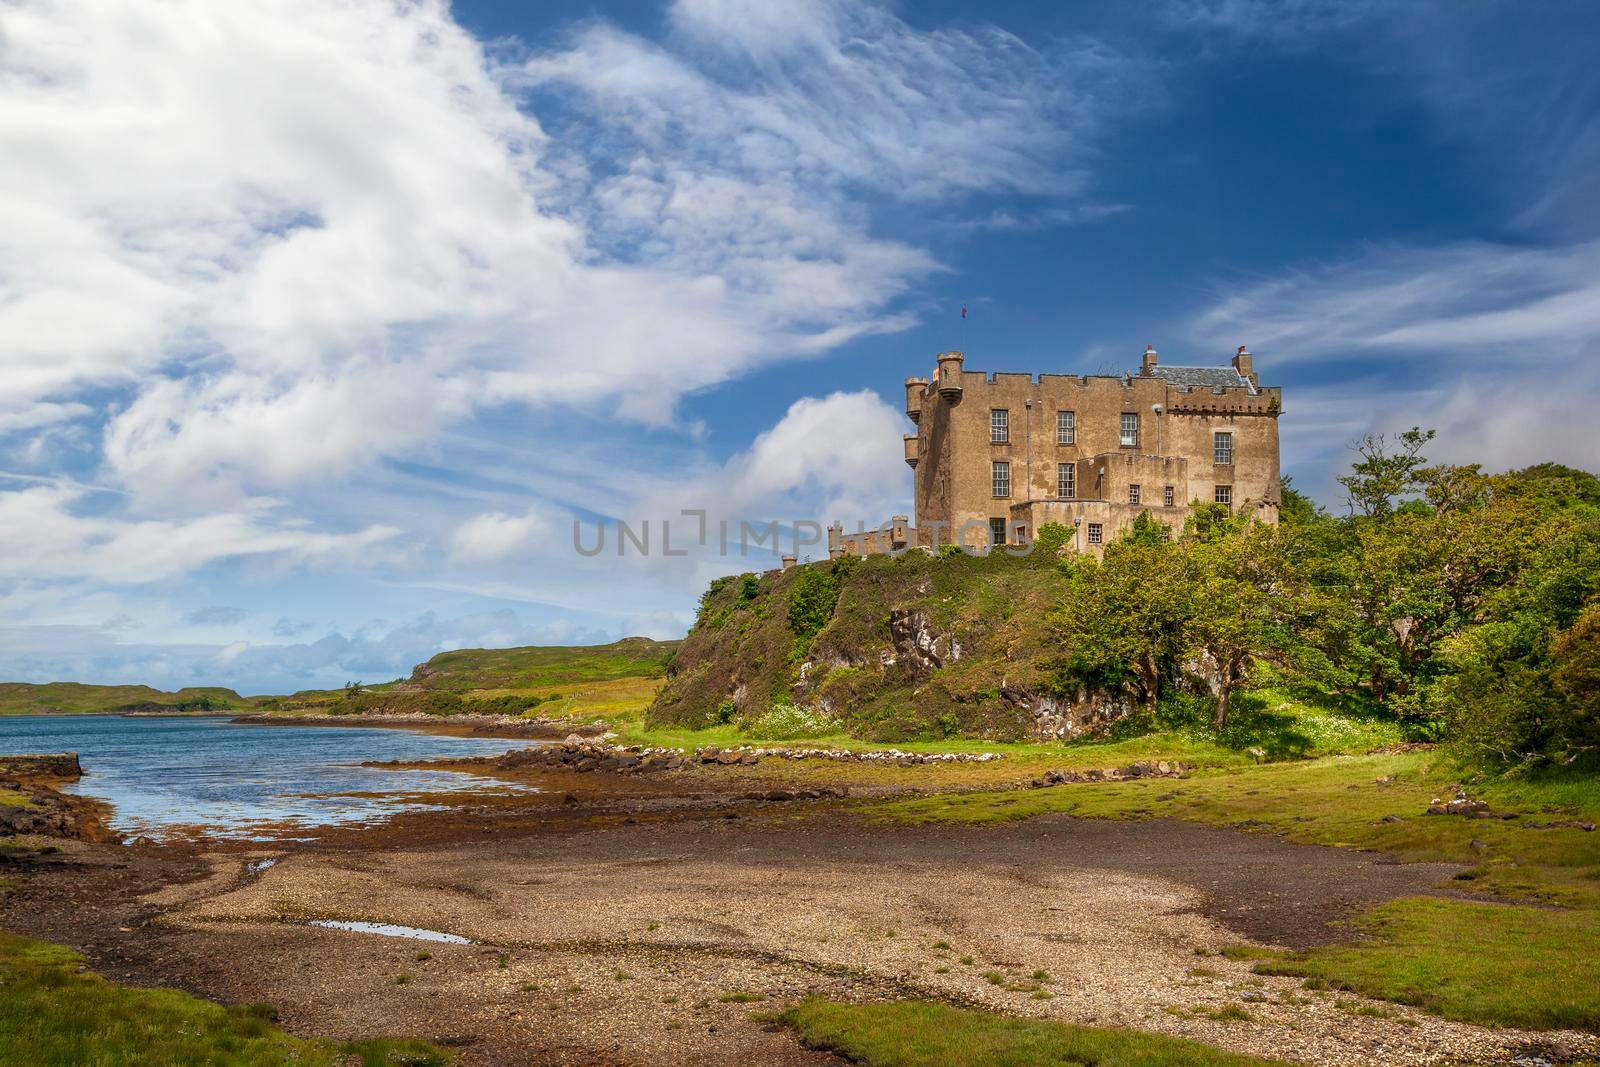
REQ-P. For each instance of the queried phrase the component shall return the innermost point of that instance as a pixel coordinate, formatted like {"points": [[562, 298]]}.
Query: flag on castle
{"points": [[963, 311]]}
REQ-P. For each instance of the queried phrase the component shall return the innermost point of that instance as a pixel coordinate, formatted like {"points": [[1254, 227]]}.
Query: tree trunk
{"points": [[1227, 676], [1150, 675]]}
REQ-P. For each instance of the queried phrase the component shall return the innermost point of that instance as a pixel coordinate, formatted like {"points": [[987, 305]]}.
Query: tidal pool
{"points": [[162, 773]]}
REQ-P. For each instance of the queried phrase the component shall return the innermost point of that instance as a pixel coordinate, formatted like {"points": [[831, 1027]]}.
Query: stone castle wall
{"points": [[953, 453]]}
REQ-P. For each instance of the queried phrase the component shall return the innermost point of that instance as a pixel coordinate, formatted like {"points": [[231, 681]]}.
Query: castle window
{"points": [[1130, 429], [1222, 448], [1166, 533], [1225, 495], [1133, 494], [997, 531], [1000, 477], [1166, 497], [1066, 480], [1066, 427], [1094, 533], [999, 426]]}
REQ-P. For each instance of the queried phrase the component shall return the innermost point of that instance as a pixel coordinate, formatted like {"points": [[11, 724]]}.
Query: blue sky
{"points": [[321, 324]]}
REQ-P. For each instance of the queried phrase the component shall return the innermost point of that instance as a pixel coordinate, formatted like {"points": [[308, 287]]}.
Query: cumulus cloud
{"points": [[494, 535], [303, 236]]}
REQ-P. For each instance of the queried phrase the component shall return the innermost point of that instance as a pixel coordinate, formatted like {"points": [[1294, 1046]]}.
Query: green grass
{"points": [[918, 1034], [1491, 963], [534, 666], [54, 1013], [10, 798], [1533, 968]]}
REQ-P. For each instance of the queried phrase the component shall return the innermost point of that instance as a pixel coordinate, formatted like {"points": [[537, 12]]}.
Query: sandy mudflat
{"points": [[608, 939]]}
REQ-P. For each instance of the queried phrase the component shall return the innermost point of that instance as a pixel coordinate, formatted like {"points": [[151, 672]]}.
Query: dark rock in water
{"points": [[54, 765]]}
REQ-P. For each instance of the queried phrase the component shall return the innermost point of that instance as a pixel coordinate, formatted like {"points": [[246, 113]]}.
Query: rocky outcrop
{"points": [[1142, 769], [54, 766], [1057, 717], [917, 644], [29, 808]]}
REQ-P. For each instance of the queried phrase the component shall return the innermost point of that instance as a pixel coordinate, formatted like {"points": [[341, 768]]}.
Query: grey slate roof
{"points": [[1202, 377]]}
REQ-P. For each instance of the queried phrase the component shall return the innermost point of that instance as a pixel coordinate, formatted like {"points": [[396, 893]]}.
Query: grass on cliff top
{"points": [[535, 666], [74, 698], [920, 1034], [54, 1013]]}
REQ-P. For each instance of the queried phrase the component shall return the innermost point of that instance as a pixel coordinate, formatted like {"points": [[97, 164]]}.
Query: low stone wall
{"points": [[583, 754], [54, 765], [892, 756]]}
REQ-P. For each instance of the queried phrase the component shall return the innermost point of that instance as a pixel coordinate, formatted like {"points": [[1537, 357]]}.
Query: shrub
{"points": [[785, 722]]}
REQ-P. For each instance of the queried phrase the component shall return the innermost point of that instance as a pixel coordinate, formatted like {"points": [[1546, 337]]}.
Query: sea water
{"points": [[243, 781]]}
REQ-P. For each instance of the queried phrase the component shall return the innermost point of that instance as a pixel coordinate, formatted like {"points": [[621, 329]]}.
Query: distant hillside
{"points": [[74, 698], [540, 665]]}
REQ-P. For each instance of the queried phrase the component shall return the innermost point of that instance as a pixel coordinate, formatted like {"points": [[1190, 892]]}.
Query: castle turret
{"points": [[950, 375], [911, 450], [916, 389]]}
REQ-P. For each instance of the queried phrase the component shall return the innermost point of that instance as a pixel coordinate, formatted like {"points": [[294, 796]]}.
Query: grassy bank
{"points": [[55, 1013], [917, 1034], [1531, 963]]}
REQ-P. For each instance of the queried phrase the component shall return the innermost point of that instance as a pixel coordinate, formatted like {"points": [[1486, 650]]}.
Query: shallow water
{"points": [[390, 930], [240, 781]]}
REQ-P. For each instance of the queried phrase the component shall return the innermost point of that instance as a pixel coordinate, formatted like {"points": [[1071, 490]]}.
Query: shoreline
{"points": [[486, 726]]}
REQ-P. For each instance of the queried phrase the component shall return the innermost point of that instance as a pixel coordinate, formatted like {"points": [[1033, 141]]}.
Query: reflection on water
{"points": [[237, 781], [390, 930]]}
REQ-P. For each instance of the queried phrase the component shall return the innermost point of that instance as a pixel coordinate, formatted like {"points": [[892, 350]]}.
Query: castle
{"points": [[997, 456]]}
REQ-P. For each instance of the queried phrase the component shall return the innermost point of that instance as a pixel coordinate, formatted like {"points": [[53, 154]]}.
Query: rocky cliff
{"points": [[886, 649]]}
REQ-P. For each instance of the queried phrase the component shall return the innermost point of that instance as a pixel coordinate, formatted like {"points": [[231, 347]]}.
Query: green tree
{"points": [[1239, 608], [1575, 655], [1295, 508], [1124, 617], [1383, 475]]}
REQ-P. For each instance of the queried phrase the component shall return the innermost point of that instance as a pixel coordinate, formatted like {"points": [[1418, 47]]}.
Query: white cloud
{"points": [[53, 533], [304, 236], [1484, 302], [494, 535]]}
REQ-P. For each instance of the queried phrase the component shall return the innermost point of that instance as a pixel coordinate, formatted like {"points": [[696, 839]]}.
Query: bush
{"points": [[785, 722]]}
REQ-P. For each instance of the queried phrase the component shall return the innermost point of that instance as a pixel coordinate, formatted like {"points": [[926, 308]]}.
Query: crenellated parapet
{"points": [[1233, 400]]}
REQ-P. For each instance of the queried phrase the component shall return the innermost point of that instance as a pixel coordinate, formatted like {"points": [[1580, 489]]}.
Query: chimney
{"points": [[1149, 363], [1241, 363]]}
